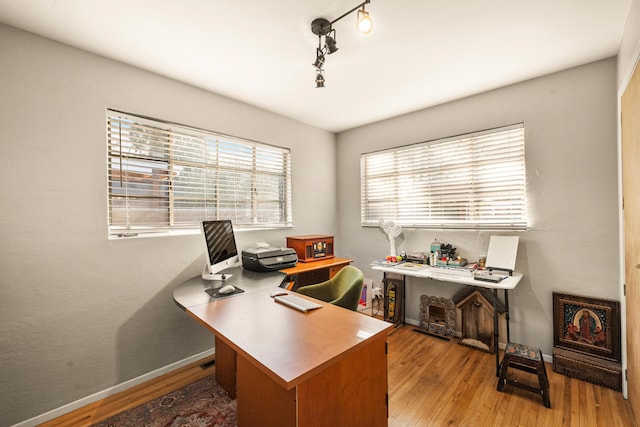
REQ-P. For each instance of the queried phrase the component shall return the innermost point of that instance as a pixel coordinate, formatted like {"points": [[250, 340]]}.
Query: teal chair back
{"points": [[343, 289]]}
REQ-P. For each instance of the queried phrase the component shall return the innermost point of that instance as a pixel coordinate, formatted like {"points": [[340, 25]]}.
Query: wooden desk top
{"points": [[301, 267], [193, 291], [288, 345]]}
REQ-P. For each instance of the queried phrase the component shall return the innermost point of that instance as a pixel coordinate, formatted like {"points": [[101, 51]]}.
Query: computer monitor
{"points": [[221, 251]]}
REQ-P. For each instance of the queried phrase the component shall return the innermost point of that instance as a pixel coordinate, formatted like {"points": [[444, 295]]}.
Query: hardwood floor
{"points": [[135, 396], [432, 383]]}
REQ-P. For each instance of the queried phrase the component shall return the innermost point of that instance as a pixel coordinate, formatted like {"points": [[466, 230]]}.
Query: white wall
{"points": [[570, 131], [80, 313]]}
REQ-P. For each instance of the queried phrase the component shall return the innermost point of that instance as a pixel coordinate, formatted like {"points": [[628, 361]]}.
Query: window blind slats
{"points": [[470, 181], [163, 176]]}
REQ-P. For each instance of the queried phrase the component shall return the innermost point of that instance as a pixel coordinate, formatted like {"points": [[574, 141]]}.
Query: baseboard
{"points": [[55, 413]]}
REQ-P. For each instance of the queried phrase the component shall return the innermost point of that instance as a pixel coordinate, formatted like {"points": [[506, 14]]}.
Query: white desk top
{"points": [[433, 273]]}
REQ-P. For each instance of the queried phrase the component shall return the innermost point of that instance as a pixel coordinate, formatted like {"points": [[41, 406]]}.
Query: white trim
{"points": [[621, 254], [55, 413], [629, 72], [621, 250]]}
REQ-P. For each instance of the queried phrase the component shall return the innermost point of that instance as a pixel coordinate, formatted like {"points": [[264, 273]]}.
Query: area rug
{"points": [[200, 404]]}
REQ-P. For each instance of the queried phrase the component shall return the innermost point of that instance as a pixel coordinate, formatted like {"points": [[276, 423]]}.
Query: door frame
{"points": [[621, 250]]}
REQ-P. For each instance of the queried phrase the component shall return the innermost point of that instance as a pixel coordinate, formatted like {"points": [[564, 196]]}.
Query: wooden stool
{"points": [[528, 359]]}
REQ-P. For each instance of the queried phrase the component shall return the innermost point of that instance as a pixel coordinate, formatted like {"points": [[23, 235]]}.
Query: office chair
{"points": [[343, 289]]}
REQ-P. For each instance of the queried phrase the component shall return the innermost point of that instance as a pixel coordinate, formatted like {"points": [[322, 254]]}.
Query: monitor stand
{"points": [[214, 276]]}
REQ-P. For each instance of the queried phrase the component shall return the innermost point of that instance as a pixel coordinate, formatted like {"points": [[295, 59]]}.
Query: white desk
{"points": [[435, 273]]}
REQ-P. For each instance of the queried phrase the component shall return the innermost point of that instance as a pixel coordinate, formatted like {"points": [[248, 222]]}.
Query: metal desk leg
{"points": [[404, 299], [506, 308], [496, 333]]}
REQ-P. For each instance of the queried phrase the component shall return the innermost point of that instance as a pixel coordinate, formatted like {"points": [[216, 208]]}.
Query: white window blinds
{"points": [[474, 181], [163, 177]]}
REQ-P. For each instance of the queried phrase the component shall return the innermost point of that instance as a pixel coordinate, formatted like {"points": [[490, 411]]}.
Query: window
{"points": [[474, 181], [164, 177]]}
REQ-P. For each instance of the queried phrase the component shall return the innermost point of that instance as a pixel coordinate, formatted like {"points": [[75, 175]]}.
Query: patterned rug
{"points": [[200, 404]]}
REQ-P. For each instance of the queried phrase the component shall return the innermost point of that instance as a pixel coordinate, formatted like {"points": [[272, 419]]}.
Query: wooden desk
{"points": [[309, 273], [288, 368]]}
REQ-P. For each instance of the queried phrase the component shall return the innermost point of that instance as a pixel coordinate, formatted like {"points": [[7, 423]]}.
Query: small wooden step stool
{"points": [[528, 359]]}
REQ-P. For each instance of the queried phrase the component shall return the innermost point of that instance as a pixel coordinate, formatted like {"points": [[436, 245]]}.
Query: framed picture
{"points": [[585, 324]]}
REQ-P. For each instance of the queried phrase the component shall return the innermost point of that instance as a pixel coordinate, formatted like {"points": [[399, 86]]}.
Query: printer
{"points": [[268, 258]]}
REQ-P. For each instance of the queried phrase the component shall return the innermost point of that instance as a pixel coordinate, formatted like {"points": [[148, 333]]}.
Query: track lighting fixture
{"points": [[324, 28]]}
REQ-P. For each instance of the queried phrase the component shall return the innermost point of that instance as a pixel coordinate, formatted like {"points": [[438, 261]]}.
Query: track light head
{"points": [[331, 43], [364, 24], [319, 62], [319, 79]]}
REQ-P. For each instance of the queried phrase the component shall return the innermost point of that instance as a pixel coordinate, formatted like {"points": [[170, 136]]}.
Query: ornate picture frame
{"points": [[585, 324]]}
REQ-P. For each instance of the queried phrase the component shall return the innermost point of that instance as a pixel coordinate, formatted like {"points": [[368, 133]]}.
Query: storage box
{"points": [[593, 369]]}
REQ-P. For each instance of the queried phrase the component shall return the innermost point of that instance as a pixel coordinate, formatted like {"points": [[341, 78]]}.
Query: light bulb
{"points": [[364, 24]]}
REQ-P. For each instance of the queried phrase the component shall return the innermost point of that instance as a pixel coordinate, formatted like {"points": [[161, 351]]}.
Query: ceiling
{"points": [[420, 53]]}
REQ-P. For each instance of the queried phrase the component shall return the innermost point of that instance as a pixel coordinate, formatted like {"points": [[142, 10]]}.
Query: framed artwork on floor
{"points": [[587, 325]]}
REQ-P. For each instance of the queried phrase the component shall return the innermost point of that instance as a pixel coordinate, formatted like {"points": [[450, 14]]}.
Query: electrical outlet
{"points": [[376, 293]]}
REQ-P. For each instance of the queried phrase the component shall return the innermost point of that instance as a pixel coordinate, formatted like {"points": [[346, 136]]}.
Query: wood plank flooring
{"points": [[135, 396], [432, 383]]}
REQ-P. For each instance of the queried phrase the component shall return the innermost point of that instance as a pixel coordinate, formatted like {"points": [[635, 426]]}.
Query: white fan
{"points": [[392, 230]]}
